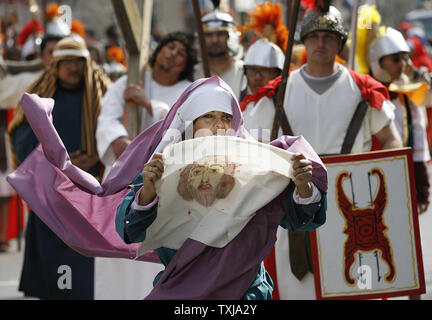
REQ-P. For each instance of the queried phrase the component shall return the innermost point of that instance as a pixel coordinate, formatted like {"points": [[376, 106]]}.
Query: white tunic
{"points": [[121, 279], [323, 120], [419, 122]]}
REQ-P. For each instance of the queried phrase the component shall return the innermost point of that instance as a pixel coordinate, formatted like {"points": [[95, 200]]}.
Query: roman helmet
{"points": [[265, 54], [390, 43], [323, 17], [222, 21]]}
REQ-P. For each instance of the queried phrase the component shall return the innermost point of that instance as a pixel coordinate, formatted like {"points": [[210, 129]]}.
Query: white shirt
{"points": [[419, 119]]}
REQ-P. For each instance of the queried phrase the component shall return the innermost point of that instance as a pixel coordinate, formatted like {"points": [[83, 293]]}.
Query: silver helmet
{"points": [[223, 21], [265, 54], [390, 43], [330, 21], [217, 20]]}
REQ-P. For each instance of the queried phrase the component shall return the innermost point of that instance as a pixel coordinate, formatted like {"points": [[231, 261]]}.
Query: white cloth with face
{"points": [[179, 219], [211, 187], [260, 172]]}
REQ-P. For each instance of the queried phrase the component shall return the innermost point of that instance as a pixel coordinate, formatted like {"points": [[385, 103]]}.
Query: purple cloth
{"points": [[81, 211]]}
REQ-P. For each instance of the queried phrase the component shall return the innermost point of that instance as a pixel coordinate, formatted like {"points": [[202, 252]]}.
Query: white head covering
{"points": [[265, 54], [206, 98]]}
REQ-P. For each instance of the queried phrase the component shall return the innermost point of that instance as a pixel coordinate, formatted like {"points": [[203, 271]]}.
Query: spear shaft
{"points": [[293, 9]]}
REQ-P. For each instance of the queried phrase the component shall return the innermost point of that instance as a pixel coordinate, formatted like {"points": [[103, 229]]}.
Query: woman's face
{"points": [[212, 123]]}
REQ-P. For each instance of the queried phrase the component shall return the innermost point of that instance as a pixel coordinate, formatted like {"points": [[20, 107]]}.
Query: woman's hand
{"points": [[152, 172], [302, 170]]}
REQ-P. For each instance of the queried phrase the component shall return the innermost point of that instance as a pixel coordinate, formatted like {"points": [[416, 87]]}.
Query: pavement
{"points": [[11, 262]]}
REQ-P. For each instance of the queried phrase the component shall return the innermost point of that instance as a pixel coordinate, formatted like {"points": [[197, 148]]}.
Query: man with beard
{"points": [[220, 38], [206, 180]]}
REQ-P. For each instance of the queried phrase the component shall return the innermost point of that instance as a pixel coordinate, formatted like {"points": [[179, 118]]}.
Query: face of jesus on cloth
{"points": [[207, 180], [206, 112]]}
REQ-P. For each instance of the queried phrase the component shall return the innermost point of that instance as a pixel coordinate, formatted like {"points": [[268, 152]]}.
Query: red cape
{"points": [[371, 90]]}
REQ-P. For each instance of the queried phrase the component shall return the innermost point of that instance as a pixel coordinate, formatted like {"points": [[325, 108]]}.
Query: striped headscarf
{"points": [[96, 82]]}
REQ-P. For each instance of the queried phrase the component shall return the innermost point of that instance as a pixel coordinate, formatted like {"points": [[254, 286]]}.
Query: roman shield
{"points": [[370, 245]]}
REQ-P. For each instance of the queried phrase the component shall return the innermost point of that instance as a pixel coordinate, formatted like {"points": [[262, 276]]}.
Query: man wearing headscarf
{"points": [[77, 85]]}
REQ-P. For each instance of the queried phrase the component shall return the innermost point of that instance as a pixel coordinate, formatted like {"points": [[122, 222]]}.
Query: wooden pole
{"points": [[136, 32], [293, 8], [144, 47], [145, 35], [34, 10], [44, 20], [352, 50], [203, 47], [129, 21]]}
